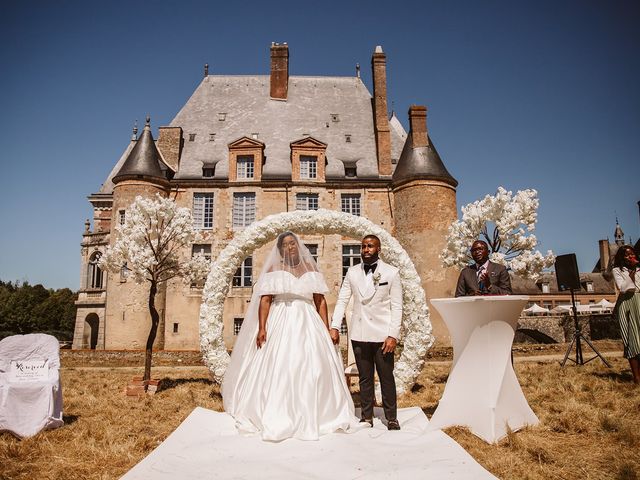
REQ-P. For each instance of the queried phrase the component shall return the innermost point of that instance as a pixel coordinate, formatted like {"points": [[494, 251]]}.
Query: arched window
{"points": [[94, 272]]}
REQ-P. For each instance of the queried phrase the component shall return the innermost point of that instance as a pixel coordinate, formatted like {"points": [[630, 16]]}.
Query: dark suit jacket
{"points": [[500, 283]]}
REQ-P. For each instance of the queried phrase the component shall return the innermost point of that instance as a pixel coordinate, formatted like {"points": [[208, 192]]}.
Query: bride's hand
{"points": [[261, 338]]}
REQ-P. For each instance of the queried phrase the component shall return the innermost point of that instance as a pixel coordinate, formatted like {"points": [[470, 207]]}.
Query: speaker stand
{"points": [[578, 336]]}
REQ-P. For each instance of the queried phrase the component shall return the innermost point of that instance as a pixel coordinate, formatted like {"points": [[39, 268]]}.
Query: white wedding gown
{"points": [[294, 386]]}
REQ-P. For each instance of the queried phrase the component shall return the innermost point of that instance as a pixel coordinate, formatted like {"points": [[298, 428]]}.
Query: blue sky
{"points": [[537, 95]]}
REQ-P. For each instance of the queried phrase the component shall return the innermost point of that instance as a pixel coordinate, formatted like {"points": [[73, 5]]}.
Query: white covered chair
{"points": [[30, 391]]}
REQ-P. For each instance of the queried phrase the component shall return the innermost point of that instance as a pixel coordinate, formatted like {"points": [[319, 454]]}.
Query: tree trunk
{"points": [[155, 320]]}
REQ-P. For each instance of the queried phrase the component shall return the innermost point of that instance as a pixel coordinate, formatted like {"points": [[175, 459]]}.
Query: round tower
{"points": [[127, 321], [424, 207]]}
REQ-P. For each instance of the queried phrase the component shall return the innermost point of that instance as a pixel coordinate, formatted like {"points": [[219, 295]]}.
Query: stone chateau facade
{"points": [[244, 147]]}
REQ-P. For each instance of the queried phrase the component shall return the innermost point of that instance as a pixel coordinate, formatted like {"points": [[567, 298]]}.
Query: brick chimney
{"points": [[418, 125], [605, 254], [381, 119], [279, 71]]}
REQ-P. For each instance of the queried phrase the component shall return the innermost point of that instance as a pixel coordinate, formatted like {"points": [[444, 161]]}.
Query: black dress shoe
{"points": [[368, 420], [393, 425]]}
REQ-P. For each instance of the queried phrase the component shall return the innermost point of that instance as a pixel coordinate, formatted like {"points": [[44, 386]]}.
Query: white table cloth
{"points": [[482, 391]]}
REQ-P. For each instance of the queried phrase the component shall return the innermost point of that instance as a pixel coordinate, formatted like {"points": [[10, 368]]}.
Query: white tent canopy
{"points": [[535, 308], [604, 303]]}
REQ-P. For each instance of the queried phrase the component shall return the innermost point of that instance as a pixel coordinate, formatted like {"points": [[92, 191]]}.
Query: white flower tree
{"points": [[505, 221], [148, 245]]}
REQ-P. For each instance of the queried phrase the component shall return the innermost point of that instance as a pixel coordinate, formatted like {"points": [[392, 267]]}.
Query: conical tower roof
{"points": [[144, 161], [419, 158]]}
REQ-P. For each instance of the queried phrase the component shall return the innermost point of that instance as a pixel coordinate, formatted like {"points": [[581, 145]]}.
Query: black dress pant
{"points": [[369, 356]]}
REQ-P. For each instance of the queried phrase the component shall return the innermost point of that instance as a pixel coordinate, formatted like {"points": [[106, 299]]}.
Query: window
{"points": [[212, 137], [589, 286], [192, 137], [547, 304], [121, 217], [243, 276], [222, 116], [237, 325], [208, 172], [350, 172], [307, 201], [244, 209], [308, 166], [175, 328], [244, 166], [351, 203], [203, 249], [545, 288], [203, 210], [350, 257], [254, 136], [313, 250], [94, 272]]}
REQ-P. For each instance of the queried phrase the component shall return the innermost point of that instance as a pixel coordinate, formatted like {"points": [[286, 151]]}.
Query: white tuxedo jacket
{"points": [[377, 305]]}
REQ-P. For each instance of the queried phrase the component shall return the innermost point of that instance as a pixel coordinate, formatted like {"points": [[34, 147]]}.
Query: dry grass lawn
{"points": [[590, 422]]}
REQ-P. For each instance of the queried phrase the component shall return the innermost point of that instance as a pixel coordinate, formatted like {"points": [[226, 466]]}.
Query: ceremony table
{"points": [[482, 391]]}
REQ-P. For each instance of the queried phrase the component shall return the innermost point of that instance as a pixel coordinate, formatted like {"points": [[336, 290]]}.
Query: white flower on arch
{"points": [[416, 326]]}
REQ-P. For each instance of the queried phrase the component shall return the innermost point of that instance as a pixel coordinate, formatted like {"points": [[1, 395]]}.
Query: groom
{"points": [[375, 326]]}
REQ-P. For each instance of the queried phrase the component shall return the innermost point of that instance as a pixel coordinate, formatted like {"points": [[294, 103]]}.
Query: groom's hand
{"points": [[335, 336], [389, 345]]}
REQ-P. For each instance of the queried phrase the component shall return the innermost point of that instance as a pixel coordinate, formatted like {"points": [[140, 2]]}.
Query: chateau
{"points": [[244, 147]]}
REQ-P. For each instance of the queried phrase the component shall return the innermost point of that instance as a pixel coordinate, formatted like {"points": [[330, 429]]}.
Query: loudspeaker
{"points": [[567, 273]]}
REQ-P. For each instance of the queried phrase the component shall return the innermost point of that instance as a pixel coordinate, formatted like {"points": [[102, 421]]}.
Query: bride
{"points": [[285, 379]]}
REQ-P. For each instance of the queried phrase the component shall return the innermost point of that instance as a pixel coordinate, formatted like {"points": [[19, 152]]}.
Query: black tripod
{"points": [[577, 336]]}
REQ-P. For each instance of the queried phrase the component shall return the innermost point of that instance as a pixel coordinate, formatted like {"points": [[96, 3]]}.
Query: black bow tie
{"points": [[370, 268]]}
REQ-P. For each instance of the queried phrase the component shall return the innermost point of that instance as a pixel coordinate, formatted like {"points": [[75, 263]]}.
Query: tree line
{"points": [[28, 308]]}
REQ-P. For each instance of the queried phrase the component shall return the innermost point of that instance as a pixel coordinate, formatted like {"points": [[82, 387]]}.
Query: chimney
{"points": [[381, 119], [604, 254], [279, 71], [418, 126]]}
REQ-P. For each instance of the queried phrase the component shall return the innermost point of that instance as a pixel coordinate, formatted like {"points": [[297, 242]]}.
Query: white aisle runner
{"points": [[207, 446]]}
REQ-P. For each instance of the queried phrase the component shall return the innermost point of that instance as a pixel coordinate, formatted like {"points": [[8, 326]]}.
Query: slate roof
{"points": [[310, 109], [143, 160], [421, 162], [523, 286]]}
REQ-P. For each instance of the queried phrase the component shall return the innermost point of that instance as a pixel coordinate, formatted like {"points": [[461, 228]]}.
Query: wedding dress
{"points": [[294, 385]]}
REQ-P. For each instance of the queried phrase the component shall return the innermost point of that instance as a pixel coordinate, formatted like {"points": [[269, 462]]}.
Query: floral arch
{"points": [[416, 327]]}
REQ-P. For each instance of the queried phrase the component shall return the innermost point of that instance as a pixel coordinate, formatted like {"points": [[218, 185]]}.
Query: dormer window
{"points": [[589, 286], [244, 167], [212, 137], [208, 172], [308, 167], [347, 138], [545, 287], [222, 116], [335, 117], [350, 172], [246, 156], [254, 136], [308, 160], [192, 137]]}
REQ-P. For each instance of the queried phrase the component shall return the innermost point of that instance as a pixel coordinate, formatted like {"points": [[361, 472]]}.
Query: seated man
{"points": [[485, 277]]}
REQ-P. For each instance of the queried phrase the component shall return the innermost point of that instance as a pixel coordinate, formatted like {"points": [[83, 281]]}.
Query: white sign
{"points": [[28, 370]]}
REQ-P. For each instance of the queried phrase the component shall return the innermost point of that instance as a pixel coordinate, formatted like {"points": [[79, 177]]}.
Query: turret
{"points": [[424, 207]]}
